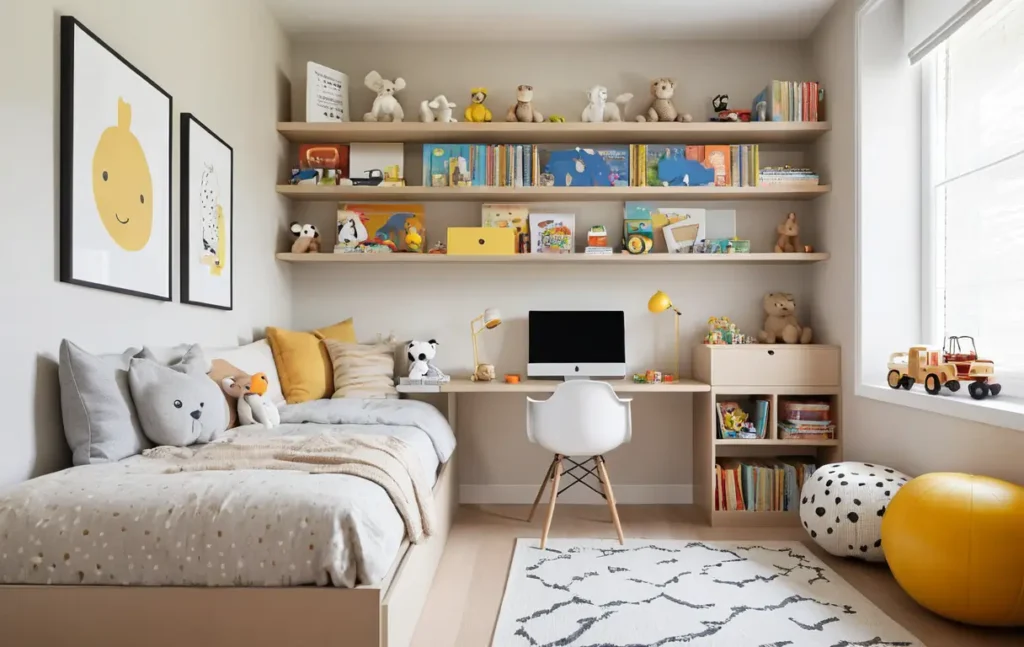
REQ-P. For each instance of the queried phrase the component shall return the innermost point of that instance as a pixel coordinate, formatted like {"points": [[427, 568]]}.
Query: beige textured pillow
{"points": [[362, 370]]}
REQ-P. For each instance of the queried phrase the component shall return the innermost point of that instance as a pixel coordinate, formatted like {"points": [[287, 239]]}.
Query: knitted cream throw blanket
{"points": [[389, 462]]}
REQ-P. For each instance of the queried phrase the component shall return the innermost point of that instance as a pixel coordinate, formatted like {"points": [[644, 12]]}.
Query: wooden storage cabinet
{"points": [[773, 372], [767, 365]]}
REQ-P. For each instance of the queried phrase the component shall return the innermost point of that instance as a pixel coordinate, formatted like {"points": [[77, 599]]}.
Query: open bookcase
{"points": [[775, 374]]}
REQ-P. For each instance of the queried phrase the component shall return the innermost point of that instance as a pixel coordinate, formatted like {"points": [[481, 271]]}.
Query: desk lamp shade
{"points": [[492, 318], [489, 320], [658, 303]]}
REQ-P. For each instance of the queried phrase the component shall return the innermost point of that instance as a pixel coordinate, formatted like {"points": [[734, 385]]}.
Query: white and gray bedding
{"points": [[131, 523]]}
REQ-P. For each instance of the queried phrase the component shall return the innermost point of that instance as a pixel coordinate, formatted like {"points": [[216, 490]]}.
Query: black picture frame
{"points": [[69, 26], [187, 120]]}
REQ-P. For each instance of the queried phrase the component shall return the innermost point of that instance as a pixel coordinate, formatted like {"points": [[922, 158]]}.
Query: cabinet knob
{"points": [[771, 352]]}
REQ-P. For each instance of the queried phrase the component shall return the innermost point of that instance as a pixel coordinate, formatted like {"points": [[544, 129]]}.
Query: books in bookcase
{"points": [[498, 165], [761, 485], [790, 101], [589, 166]]}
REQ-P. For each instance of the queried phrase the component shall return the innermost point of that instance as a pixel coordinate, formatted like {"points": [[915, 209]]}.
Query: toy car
{"points": [[980, 373]]}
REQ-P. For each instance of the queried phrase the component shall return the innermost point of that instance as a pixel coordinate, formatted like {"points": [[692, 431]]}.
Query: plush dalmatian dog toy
{"points": [[842, 504], [420, 354]]}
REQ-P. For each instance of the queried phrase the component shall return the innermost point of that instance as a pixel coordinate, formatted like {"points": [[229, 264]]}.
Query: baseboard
{"points": [[624, 494]]}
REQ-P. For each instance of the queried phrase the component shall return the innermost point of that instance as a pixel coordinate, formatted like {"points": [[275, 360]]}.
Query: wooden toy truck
{"points": [[948, 368]]}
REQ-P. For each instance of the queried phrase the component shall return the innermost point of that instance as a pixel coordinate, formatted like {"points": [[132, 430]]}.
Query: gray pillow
{"points": [[177, 405], [100, 422]]}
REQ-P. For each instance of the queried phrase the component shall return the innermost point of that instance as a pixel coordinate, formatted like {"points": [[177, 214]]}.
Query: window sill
{"points": [[1003, 411]]}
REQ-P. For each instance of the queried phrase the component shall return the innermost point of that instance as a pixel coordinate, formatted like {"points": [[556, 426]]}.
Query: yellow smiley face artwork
{"points": [[122, 185]]}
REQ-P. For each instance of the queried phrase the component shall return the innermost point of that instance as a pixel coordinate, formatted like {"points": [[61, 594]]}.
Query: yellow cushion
{"points": [[302, 361], [953, 542]]}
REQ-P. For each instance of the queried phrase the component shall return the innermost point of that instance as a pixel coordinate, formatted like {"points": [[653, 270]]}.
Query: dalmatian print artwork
{"points": [[842, 504], [212, 218]]}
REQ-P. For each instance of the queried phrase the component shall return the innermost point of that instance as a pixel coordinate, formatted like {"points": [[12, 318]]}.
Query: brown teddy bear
{"points": [[524, 110], [662, 108], [789, 236], [780, 324]]}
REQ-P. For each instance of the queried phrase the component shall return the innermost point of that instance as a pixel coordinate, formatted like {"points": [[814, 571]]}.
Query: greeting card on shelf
{"points": [[552, 233]]}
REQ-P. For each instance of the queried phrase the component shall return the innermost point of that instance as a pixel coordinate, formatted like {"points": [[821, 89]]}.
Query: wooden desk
{"points": [[465, 385]]}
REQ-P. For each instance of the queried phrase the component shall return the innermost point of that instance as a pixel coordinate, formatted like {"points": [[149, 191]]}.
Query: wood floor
{"points": [[464, 600]]}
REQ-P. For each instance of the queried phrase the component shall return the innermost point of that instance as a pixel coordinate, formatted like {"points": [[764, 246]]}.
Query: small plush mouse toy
{"points": [[420, 354], [307, 239], [254, 407]]}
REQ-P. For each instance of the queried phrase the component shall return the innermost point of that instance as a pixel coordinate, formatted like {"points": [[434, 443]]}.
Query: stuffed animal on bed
{"points": [[254, 407], [420, 354]]}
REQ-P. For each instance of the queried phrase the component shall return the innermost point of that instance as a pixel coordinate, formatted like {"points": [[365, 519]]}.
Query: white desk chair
{"points": [[581, 418]]}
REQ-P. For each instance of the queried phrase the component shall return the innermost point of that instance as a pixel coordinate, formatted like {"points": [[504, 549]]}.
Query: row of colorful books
{"points": [[769, 485], [805, 420], [513, 165], [791, 101], [480, 165], [718, 165]]}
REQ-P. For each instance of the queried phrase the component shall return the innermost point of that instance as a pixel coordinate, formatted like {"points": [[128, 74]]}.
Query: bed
{"points": [[250, 556]]}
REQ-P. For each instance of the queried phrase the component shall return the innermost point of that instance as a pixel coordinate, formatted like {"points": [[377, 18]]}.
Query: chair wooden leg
{"points": [[540, 491], [610, 496], [551, 504]]}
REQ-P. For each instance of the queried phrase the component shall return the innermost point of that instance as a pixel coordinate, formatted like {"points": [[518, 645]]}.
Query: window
{"points": [[973, 199]]}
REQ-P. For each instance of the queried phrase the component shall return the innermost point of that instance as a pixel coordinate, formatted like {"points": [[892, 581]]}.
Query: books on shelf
{"points": [[769, 485], [524, 165], [497, 165], [790, 101], [805, 420], [787, 176], [711, 165]]}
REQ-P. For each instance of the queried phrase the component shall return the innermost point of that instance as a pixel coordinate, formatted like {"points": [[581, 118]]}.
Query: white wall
{"points": [[225, 61], [907, 439], [498, 464]]}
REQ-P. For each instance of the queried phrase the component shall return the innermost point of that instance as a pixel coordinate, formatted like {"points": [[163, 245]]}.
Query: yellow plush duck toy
{"points": [[477, 111]]}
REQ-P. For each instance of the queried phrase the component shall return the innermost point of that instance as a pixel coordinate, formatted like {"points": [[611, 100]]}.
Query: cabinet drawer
{"points": [[476, 241], [767, 364]]}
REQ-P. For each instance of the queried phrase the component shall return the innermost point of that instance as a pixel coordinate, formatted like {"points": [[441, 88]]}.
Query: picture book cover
{"points": [[662, 216], [389, 159], [399, 227], [718, 159], [447, 165], [677, 166], [510, 216], [552, 233], [597, 166], [325, 156]]}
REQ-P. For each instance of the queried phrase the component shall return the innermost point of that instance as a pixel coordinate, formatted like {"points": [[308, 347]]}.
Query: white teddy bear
{"points": [[420, 354], [440, 109], [385, 106]]}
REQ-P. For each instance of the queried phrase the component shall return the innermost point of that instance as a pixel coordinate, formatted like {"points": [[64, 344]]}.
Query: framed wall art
{"points": [[207, 228], [115, 170]]}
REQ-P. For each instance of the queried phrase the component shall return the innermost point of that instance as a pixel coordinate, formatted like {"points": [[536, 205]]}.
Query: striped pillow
{"points": [[362, 370]]}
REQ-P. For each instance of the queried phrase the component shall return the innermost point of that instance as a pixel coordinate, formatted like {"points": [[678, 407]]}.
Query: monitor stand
{"points": [[575, 378]]}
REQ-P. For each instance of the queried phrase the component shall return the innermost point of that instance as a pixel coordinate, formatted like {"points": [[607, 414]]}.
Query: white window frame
{"points": [[1007, 410]]}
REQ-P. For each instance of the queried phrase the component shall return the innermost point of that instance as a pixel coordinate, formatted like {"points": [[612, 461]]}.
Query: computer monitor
{"points": [[577, 344]]}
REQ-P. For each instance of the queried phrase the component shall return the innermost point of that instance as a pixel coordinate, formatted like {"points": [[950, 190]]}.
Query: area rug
{"points": [[655, 593]]}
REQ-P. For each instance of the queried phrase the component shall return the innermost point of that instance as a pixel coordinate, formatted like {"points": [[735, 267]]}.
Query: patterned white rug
{"points": [[655, 593]]}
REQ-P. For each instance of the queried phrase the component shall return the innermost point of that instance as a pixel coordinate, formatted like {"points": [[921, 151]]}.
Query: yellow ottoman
{"points": [[955, 543]]}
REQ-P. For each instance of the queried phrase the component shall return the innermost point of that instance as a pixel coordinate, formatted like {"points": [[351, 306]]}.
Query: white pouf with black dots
{"points": [[842, 504]]}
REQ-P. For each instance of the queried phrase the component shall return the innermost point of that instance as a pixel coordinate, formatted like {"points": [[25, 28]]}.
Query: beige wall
{"points": [[226, 61], [498, 463], [907, 439]]}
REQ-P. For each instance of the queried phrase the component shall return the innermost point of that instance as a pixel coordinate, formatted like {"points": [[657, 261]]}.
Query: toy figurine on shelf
{"points": [[477, 111], [720, 104], [438, 248], [722, 331]]}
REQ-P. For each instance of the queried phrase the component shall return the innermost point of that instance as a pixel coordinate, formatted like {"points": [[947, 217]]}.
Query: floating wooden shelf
{"points": [[771, 442], [571, 259], [550, 133], [311, 192]]}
